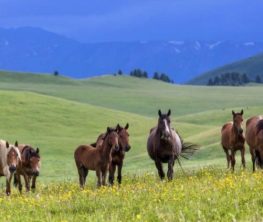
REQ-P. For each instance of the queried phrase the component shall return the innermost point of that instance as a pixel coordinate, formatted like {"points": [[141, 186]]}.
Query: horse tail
{"points": [[188, 149], [259, 126]]}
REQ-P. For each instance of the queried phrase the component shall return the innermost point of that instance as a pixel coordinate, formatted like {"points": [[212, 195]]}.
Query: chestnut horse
{"points": [[97, 159], [29, 167], [9, 160], [232, 139], [164, 145], [117, 156], [254, 138]]}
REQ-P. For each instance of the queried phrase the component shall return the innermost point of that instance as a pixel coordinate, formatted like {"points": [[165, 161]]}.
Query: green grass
{"points": [[58, 114]]}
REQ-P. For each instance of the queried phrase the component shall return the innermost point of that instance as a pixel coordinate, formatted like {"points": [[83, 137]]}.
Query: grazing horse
{"points": [[97, 159], [9, 160], [117, 156], [254, 138], [164, 145], [29, 167], [232, 139]]}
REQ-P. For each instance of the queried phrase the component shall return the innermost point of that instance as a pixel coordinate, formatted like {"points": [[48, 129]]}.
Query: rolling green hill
{"points": [[252, 66], [57, 114]]}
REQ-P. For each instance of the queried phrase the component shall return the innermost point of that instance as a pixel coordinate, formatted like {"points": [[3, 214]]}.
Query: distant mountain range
{"points": [[36, 50], [251, 66]]}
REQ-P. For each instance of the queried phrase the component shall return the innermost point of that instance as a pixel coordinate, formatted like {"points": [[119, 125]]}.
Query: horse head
{"points": [[164, 125], [111, 137], [13, 156], [237, 121], [123, 137], [32, 159]]}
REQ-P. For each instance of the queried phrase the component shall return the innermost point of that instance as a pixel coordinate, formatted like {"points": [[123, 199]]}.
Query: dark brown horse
{"points": [[164, 145], [232, 139], [97, 159], [254, 138], [117, 156], [29, 167]]}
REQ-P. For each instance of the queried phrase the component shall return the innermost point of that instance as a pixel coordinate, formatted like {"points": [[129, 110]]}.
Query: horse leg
{"points": [[119, 172], [243, 157], [8, 185], [159, 167], [81, 171], [111, 173], [104, 176], [253, 158], [98, 173], [27, 182], [18, 181], [33, 187], [170, 171], [228, 157], [233, 160]]}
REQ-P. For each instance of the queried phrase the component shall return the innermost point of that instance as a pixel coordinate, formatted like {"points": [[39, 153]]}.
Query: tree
{"points": [[119, 72], [258, 79], [55, 73], [245, 79], [210, 82], [156, 76]]}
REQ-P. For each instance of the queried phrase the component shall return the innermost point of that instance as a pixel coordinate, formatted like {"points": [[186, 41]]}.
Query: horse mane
{"points": [[259, 126], [29, 152], [11, 146]]}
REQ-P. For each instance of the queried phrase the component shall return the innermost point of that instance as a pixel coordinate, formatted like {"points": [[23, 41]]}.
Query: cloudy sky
{"points": [[144, 20]]}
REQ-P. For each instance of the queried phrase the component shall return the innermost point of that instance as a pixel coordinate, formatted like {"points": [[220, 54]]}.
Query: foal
{"points": [[9, 160], [117, 156], [97, 159], [232, 139], [29, 167]]}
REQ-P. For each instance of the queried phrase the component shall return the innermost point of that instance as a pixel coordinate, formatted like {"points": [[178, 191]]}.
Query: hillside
{"points": [[252, 66], [60, 113], [36, 50]]}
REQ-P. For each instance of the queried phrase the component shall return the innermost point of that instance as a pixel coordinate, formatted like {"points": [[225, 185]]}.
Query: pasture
{"points": [[58, 114]]}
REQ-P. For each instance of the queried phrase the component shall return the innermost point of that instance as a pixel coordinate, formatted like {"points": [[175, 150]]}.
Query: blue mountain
{"points": [[36, 50]]}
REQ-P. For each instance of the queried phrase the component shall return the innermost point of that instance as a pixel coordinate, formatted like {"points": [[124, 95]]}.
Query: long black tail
{"points": [[188, 149]]}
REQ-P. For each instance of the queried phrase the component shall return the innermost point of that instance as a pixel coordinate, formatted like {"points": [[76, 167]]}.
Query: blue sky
{"points": [[145, 20]]}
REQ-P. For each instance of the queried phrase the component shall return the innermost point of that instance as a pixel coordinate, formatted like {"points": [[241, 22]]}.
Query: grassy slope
{"points": [[252, 66], [58, 125]]}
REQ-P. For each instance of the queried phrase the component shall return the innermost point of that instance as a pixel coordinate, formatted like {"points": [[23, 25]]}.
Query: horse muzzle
{"points": [[127, 148], [36, 173], [116, 148], [12, 169]]}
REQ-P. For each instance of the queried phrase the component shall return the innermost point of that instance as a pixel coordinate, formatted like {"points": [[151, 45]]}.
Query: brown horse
{"points": [[97, 159], [164, 145], [28, 167], [254, 138], [117, 156], [232, 139], [9, 160]]}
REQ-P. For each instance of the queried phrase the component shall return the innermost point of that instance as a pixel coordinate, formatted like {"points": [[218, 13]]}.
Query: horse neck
{"points": [[3, 154], [105, 148]]}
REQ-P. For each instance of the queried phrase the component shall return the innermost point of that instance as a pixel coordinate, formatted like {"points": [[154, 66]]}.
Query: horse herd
{"points": [[164, 145]]}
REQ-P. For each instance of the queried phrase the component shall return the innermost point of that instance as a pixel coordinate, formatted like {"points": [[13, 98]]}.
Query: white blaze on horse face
{"points": [[167, 130]]}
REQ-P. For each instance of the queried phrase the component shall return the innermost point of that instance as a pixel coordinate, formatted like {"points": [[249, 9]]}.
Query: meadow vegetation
{"points": [[58, 114]]}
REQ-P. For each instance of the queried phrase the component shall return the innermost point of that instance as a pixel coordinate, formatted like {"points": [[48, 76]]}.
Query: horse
{"points": [[97, 159], [117, 156], [9, 160], [254, 138], [164, 145], [29, 167], [232, 139]]}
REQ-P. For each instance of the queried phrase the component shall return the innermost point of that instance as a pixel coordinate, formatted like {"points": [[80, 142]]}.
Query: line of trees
{"points": [[139, 73], [232, 79]]}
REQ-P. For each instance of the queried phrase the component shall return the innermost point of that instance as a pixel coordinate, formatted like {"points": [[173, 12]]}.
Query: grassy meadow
{"points": [[57, 114]]}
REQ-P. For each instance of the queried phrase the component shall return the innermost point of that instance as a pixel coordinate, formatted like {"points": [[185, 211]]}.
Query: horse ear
{"points": [[127, 126], [118, 127], [169, 112], [233, 113], [242, 112], [16, 144], [108, 129], [7, 144], [37, 151], [160, 113]]}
